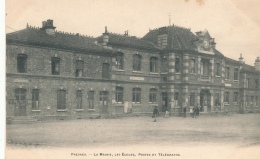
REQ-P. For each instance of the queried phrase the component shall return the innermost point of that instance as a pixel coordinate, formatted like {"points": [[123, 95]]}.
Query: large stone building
{"points": [[57, 74]]}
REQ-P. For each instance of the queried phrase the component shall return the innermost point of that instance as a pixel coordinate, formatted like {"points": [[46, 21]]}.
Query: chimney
{"points": [[241, 59], [212, 42], [126, 33], [105, 37], [257, 63], [162, 38], [48, 27]]}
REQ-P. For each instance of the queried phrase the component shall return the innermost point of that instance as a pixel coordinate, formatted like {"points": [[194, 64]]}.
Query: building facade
{"points": [[57, 74]]}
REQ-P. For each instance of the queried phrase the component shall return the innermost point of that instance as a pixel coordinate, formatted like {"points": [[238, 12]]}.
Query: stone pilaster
{"points": [[171, 75], [185, 73]]}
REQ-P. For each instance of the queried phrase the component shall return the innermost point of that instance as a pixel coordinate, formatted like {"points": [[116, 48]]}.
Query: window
{"points": [[61, 99], [55, 66], [176, 98], [247, 83], [235, 98], [152, 95], [164, 79], [192, 66], [21, 63], [256, 83], [164, 64], [227, 72], [79, 99], [217, 101], [177, 65], [137, 62], [192, 99], [79, 68], [91, 99], [205, 66], [120, 61], [119, 94], [252, 100], [153, 64], [218, 69], [105, 71], [226, 98], [136, 95], [236, 74], [35, 99]]}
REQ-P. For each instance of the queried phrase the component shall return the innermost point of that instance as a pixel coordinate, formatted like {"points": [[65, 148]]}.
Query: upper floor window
{"points": [[79, 68], [79, 99], [21, 63], [35, 99], [177, 65], [153, 64], [164, 64], [120, 61], [119, 94], [235, 98], [236, 74], [136, 95], [226, 97], [256, 83], [55, 66], [137, 59], [227, 72], [205, 64], [247, 83], [218, 71], [192, 66], [152, 95], [105, 71]]}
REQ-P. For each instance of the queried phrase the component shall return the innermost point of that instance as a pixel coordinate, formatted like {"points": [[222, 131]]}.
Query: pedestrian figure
{"points": [[184, 110], [155, 113], [166, 114], [198, 110], [194, 112]]}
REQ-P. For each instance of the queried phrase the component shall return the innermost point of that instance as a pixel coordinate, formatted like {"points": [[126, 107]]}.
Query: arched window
{"points": [[152, 95], [35, 99], [153, 64], [55, 65], [79, 68], [79, 99], [137, 59]]}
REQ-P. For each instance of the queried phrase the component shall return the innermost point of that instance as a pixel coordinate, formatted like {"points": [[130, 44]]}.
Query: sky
{"points": [[235, 24]]}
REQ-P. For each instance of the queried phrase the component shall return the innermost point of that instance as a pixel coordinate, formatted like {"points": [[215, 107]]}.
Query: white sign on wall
{"points": [[137, 78]]}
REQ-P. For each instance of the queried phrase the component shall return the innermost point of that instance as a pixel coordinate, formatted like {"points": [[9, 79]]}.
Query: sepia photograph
{"points": [[139, 79]]}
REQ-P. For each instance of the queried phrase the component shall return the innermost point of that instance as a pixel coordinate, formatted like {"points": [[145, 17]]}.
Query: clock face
{"points": [[206, 44]]}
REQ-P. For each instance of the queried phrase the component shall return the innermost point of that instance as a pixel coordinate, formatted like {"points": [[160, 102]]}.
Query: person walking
{"points": [[184, 110], [194, 112], [155, 113], [198, 110]]}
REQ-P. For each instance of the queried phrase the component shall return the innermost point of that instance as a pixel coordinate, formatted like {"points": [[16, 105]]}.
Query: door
{"points": [[201, 101], [164, 102], [20, 97], [105, 70], [103, 101]]}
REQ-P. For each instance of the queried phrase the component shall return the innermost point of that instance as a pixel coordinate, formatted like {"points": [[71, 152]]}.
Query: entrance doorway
{"points": [[103, 101], [205, 101], [20, 98], [164, 102]]}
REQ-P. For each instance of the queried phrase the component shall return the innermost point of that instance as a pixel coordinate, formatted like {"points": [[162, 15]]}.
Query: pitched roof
{"points": [[64, 41], [129, 41]]}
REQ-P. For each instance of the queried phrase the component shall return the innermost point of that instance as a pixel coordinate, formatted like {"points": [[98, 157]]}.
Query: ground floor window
{"points": [[247, 100], [61, 99], [192, 99], [79, 99], [235, 99], [226, 98], [91, 99], [152, 95], [256, 100], [217, 101], [136, 95], [35, 99], [119, 94], [176, 98]]}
